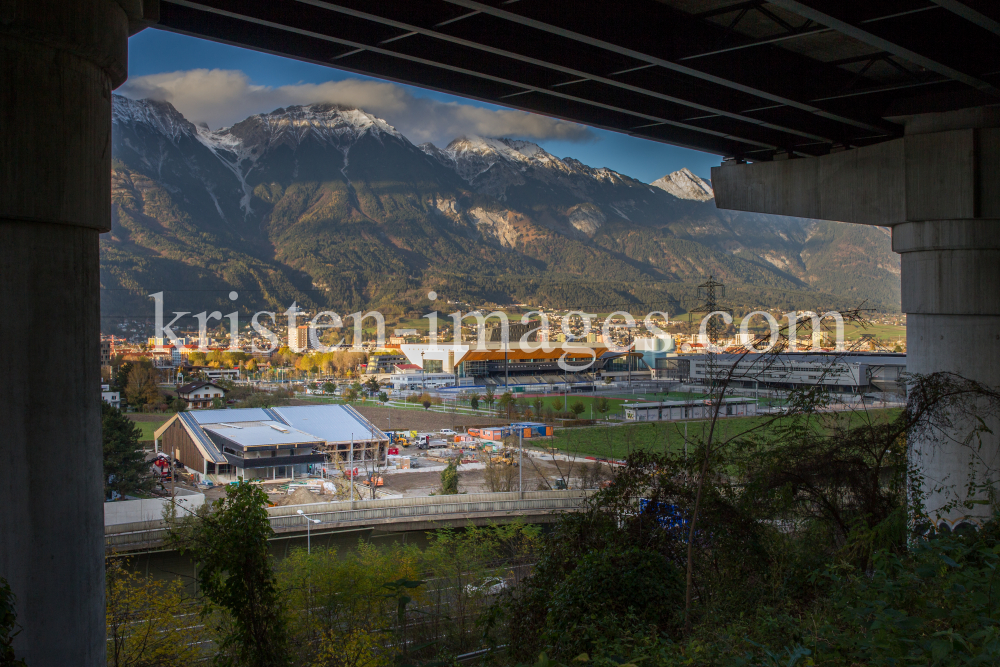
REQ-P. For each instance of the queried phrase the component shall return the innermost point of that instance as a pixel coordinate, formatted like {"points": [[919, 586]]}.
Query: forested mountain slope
{"points": [[331, 207]]}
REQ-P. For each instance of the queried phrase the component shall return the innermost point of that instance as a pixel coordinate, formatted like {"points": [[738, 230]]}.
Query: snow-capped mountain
{"points": [[331, 206], [685, 185], [491, 165]]}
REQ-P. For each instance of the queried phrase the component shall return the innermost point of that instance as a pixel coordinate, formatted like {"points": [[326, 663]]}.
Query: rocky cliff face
{"points": [[685, 185], [331, 206]]}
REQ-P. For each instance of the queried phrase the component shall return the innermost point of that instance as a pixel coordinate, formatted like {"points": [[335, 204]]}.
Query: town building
{"points": [[384, 363], [219, 373], [201, 394], [693, 409], [112, 398], [843, 372]]}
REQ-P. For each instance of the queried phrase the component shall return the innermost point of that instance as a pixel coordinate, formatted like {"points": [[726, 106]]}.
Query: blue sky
{"points": [[225, 83]]}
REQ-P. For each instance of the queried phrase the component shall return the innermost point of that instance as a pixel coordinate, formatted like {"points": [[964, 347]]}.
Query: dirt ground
{"points": [[538, 475], [154, 417], [420, 420]]}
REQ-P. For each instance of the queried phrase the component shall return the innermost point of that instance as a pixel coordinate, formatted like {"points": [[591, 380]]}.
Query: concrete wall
{"points": [[150, 509]]}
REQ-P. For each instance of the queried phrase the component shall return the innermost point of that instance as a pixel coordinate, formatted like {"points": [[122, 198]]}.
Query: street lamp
{"points": [[309, 523]]}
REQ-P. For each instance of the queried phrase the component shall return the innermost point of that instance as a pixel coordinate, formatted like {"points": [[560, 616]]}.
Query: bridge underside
{"points": [[866, 93]]}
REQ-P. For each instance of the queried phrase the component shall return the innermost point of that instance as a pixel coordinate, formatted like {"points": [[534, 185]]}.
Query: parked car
{"points": [[447, 431], [489, 586]]}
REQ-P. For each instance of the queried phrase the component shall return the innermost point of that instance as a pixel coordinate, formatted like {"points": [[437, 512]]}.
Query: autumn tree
{"points": [[141, 387], [142, 616]]}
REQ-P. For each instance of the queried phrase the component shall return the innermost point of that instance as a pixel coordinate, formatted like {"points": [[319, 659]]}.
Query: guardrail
{"points": [[151, 534]]}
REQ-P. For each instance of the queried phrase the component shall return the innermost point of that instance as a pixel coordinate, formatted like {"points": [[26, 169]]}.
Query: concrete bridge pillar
{"points": [[951, 295], [59, 62], [938, 188]]}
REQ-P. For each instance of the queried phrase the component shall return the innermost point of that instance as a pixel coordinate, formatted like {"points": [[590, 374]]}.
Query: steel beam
{"points": [[578, 74], [235, 31], [971, 14], [833, 15], [664, 62], [253, 15]]}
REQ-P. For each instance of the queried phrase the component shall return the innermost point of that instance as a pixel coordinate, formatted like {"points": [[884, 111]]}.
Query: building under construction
{"points": [[270, 443]]}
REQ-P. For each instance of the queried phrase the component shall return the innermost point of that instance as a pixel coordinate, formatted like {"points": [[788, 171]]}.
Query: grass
{"points": [[149, 427], [618, 441]]}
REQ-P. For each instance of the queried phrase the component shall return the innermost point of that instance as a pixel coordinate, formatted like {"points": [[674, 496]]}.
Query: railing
{"points": [[150, 534]]}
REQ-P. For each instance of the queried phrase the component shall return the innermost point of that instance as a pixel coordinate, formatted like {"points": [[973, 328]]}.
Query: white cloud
{"points": [[223, 97]]}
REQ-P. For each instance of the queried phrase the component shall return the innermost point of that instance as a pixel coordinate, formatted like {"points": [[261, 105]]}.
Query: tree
{"points": [[538, 404], [505, 402], [353, 618], [474, 402], [490, 393], [141, 388], [178, 404], [125, 468], [602, 405], [141, 615], [350, 394], [121, 373], [521, 406], [372, 386], [251, 366], [427, 404], [383, 397], [499, 477], [577, 407], [329, 388], [235, 571], [449, 479], [9, 627]]}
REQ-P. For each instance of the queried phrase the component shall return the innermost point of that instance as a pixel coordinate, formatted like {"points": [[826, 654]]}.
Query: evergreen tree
{"points": [[449, 479], [125, 468]]}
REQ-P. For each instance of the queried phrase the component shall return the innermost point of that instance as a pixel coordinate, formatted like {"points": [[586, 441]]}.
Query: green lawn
{"points": [[619, 441], [148, 427]]}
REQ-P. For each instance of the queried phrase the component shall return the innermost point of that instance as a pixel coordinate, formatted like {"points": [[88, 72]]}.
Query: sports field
{"points": [[620, 440]]}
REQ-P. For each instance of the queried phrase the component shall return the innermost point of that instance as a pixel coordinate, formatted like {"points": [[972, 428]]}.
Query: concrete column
{"points": [[938, 187], [58, 63], [951, 295]]}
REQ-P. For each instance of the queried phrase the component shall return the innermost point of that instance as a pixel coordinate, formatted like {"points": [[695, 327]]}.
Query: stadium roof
{"points": [[516, 356]]}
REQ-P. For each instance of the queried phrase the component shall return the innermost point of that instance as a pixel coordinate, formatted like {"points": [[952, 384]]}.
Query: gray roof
{"points": [[261, 434], [877, 358], [332, 423], [233, 416]]}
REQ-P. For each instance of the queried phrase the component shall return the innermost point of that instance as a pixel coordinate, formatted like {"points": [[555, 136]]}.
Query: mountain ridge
{"points": [[332, 207]]}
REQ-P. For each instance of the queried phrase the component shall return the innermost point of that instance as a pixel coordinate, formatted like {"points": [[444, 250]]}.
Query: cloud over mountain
{"points": [[222, 97]]}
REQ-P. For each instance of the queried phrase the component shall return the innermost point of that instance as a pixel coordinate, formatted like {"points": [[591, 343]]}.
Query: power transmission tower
{"points": [[709, 294]]}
